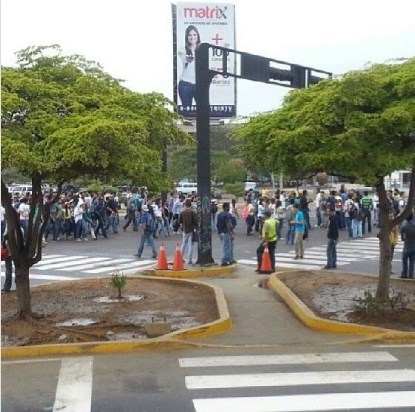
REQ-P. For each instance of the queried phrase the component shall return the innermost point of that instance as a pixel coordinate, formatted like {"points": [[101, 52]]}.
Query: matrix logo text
{"points": [[205, 12]]}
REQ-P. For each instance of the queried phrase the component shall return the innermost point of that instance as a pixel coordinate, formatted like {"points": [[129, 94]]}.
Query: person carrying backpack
{"points": [[226, 234], [146, 232], [367, 206]]}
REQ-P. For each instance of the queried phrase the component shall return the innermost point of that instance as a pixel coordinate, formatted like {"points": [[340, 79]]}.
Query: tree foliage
{"points": [[64, 117], [360, 126]]}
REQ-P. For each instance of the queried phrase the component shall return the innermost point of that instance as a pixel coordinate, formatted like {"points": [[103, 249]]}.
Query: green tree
{"points": [[360, 126], [64, 117]]}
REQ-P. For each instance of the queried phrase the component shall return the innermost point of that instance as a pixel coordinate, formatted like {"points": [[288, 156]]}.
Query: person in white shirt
{"points": [[23, 211], [157, 211]]}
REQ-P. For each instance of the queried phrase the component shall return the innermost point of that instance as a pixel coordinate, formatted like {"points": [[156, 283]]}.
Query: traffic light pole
{"points": [[252, 67], [203, 79]]}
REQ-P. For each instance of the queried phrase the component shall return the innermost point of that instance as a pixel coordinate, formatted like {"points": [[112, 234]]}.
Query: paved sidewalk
{"points": [[261, 317]]}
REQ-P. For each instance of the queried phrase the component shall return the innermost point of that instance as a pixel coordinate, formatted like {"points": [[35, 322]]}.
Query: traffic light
{"points": [[280, 74], [299, 78]]}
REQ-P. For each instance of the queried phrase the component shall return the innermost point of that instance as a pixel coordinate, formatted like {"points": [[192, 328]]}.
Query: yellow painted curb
{"points": [[195, 273], [309, 318], [168, 341]]}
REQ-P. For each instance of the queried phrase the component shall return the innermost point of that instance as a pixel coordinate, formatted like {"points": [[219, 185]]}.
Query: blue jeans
{"points": [[357, 228], [289, 240], [186, 93], [147, 237], [331, 253], [408, 255], [55, 228], [227, 248], [187, 246], [112, 222], [79, 229]]}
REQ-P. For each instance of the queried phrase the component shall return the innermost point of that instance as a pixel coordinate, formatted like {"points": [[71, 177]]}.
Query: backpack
{"points": [[150, 224], [353, 212]]}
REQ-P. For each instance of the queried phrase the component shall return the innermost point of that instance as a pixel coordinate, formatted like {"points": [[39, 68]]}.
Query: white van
{"points": [[21, 190], [186, 188]]}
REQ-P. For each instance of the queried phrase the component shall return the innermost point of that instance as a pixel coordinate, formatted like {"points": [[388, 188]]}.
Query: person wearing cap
{"points": [[269, 238], [299, 223], [146, 230]]}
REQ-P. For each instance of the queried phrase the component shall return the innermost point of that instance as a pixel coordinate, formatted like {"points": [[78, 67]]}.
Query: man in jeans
{"points": [[146, 228], [332, 236], [408, 254], [226, 234], [188, 223]]}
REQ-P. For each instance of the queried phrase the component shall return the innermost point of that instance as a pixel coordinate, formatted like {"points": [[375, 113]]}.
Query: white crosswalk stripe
{"points": [[328, 389], [81, 264], [315, 257]]}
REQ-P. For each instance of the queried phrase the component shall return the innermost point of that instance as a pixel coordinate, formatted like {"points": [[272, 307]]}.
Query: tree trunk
{"points": [[385, 265], [382, 290], [24, 304]]}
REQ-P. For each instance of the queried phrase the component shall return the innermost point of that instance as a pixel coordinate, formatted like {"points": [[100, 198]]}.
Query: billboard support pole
{"points": [[203, 79]]}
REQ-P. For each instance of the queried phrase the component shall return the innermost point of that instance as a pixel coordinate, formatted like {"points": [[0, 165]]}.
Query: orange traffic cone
{"points": [[266, 261], [178, 259], [162, 259]]}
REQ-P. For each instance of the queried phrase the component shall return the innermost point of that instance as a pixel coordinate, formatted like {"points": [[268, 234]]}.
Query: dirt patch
{"points": [[333, 295], [87, 311]]}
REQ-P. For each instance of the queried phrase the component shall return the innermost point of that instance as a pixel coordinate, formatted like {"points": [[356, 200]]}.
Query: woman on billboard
{"points": [[187, 81]]}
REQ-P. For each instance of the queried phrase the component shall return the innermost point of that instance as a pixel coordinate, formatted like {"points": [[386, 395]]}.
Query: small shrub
{"points": [[118, 282], [366, 305], [398, 300], [369, 304]]}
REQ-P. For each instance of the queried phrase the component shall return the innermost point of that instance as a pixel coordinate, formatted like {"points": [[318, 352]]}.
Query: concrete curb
{"points": [[309, 318], [168, 341], [194, 273]]}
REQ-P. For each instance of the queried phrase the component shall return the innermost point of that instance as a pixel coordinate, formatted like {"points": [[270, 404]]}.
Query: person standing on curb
{"points": [[147, 229], [188, 223], [408, 254], [333, 237], [299, 223], [226, 234], [269, 237]]}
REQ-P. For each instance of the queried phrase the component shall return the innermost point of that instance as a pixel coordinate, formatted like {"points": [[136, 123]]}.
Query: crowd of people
{"points": [[348, 210], [83, 216]]}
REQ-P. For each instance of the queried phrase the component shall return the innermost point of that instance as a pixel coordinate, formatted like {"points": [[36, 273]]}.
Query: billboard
{"points": [[195, 23]]}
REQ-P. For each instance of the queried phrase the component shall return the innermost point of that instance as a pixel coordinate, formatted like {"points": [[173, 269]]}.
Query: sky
{"points": [[132, 39]]}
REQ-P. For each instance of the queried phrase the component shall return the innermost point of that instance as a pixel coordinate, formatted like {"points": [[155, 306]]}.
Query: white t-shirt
{"points": [[189, 68], [23, 211]]}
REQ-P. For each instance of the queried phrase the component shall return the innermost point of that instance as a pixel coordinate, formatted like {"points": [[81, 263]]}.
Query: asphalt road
{"points": [[284, 378], [72, 260]]}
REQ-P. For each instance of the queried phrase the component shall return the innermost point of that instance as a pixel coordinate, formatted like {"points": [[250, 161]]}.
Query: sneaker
{"points": [[327, 267], [154, 257], [85, 239], [79, 240], [137, 255], [225, 263], [296, 257]]}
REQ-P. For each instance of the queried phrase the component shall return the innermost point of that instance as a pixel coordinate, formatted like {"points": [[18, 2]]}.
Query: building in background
{"points": [[195, 23]]}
